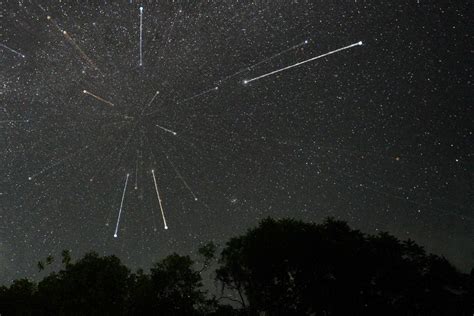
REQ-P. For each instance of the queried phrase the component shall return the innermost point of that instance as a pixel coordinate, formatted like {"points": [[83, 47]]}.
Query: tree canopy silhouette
{"points": [[281, 267], [288, 267]]}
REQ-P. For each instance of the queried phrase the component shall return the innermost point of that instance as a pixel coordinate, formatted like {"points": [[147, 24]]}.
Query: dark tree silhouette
{"points": [[18, 299], [173, 287], [208, 253], [93, 285], [288, 267], [281, 267]]}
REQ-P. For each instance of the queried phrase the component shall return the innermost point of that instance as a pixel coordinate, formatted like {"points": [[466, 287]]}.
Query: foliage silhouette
{"points": [[281, 267], [288, 267]]}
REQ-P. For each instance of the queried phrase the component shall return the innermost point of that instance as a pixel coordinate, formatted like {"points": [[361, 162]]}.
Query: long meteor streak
{"points": [[73, 43], [178, 173], [13, 51], [248, 68], [167, 130], [302, 62], [60, 161], [181, 178], [97, 97], [136, 173], [121, 205], [141, 36], [198, 95], [159, 199]]}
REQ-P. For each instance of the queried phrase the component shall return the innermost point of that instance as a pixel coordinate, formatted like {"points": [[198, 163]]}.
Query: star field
{"points": [[379, 135]]}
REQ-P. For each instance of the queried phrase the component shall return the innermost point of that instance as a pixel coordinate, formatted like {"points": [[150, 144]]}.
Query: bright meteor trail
{"points": [[159, 199], [97, 97], [302, 62], [264, 61], [12, 50], [167, 130], [141, 36], [121, 205]]}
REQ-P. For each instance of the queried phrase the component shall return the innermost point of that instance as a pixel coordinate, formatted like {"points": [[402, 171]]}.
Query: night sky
{"points": [[379, 135]]}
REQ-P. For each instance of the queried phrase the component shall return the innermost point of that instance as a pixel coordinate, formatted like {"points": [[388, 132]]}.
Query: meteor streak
{"points": [[148, 105], [12, 50], [264, 61], [97, 97], [198, 95], [73, 43], [167, 130], [301, 63], [152, 99], [60, 161], [159, 199], [136, 173], [181, 178], [141, 36], [177, 172], [121, 205]]}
